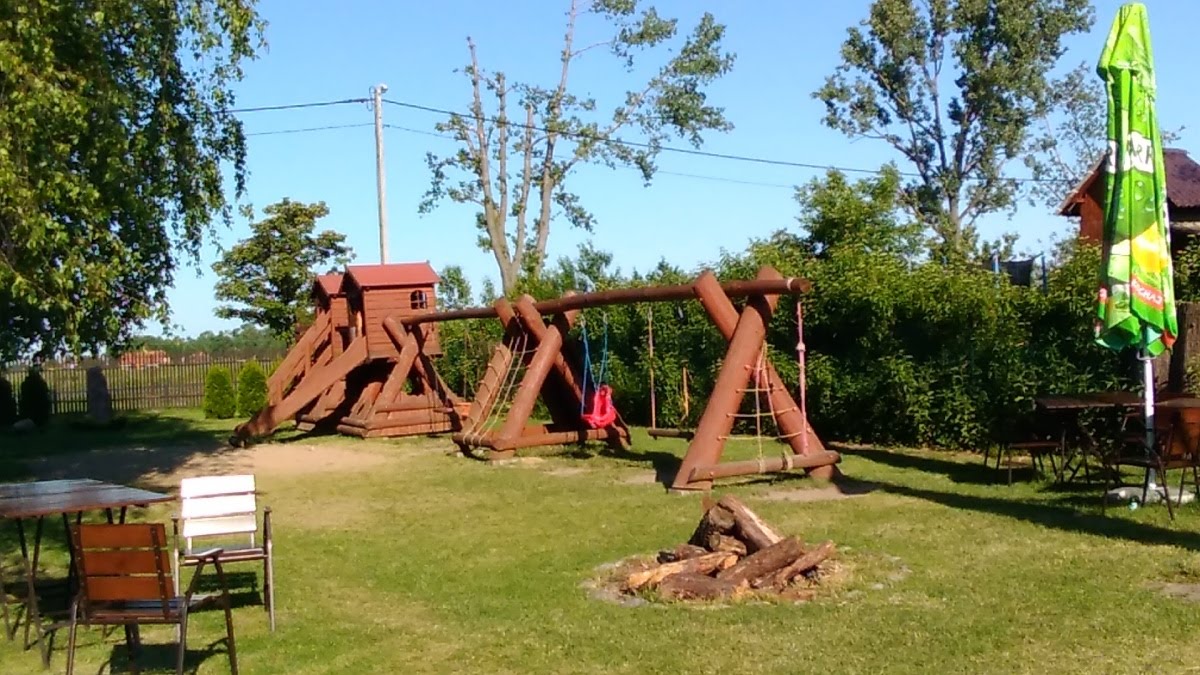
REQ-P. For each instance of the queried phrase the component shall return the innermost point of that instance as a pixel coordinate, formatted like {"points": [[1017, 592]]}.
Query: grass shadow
{"points": [[1059, 516], [161, 657], [146, 444], [959, 472]]}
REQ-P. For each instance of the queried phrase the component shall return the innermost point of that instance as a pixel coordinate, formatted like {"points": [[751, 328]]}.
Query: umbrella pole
{"points": [[1148, 397]]}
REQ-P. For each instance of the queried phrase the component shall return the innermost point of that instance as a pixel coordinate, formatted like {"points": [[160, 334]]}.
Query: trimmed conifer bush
{"points": [[251, 389], [219, 399], [35, 403]]}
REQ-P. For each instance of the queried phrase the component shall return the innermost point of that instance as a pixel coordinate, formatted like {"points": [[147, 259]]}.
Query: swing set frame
{"points": [[537, 345]]}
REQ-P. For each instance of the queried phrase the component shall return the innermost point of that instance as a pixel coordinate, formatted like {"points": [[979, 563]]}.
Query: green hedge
{"points": [[8, 405]]}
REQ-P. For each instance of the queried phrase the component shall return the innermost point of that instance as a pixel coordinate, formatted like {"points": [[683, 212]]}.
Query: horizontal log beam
{"points": [[620, 296], [671, 433], [766, 465], [532, 440]]}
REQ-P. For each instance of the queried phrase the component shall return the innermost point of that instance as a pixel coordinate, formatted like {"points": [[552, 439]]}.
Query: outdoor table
{"points": [[36, 500], [1069, 406]]}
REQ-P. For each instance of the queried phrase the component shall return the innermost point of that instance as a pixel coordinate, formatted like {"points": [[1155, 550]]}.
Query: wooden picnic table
{"points": [[39, 499], [1067, 407]]}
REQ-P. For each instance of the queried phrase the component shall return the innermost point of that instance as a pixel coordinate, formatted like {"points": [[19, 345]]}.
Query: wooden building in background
{"points": [[1183, 199]]}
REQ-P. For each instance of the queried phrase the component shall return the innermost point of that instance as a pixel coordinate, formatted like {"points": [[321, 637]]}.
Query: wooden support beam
{"points": [[531, 384], [788, 417], [624, 296], [717, 420], [703, 473], [566, 384]]}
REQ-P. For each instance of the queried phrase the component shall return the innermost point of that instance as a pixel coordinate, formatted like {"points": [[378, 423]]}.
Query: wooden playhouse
{"points": [[356, 368]]}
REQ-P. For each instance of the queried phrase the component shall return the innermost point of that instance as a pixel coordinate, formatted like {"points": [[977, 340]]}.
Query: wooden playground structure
{"points": [[366, 367]]}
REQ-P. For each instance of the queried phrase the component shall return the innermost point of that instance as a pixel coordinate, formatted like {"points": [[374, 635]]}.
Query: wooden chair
{"points": [[225, 507], [125, 579], [1033, 434], [1176, 439]]}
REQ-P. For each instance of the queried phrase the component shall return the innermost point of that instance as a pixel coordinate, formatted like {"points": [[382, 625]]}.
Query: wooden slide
{"points": [[315, 383]]}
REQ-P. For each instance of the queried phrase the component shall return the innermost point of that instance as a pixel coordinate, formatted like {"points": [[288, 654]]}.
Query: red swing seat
{"points": [[603, 413]]}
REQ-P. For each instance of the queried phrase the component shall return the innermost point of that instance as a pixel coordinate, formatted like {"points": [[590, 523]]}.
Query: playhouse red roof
{"points": [[393, 274], [330, 284]]}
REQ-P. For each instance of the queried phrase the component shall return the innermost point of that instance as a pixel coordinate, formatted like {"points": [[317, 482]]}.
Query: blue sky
{"points": [[784, 51]]}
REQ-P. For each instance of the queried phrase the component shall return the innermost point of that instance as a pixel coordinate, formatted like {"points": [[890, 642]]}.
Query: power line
{"points": [[297, 106], [690, 151], [658, 172], [309, 129]]}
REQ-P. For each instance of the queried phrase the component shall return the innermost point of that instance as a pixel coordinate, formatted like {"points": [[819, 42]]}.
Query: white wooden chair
{"points": [[225, 508]]}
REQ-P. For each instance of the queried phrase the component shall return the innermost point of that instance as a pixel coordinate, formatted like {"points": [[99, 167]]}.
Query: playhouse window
{"points": [[418, 300]]}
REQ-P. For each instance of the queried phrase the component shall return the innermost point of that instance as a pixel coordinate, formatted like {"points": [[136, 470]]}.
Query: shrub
{"points": [[219, 399], [8, 404], [35, 404], [251, 389]]}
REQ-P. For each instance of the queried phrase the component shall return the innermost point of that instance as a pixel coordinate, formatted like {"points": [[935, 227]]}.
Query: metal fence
{"points": [[146, 387]]}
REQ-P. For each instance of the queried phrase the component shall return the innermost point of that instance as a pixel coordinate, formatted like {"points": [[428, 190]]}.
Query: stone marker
{"points": [[99, 400]]}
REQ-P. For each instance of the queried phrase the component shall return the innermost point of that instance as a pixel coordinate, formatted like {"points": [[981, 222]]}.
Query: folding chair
{"points": [[1175, 447], [225, 507], [125, 580]]}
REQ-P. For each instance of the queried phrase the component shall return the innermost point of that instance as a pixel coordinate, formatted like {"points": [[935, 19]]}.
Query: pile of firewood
{"points": [[731, 554]]}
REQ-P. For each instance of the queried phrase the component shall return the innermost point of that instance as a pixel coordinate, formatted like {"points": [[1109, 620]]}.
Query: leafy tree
{"points": [[954, 86], [220, 401], [865, 215], [454, 291], [114, 125], [251, 389], [515, 156], [269, 274], [36, 403]]}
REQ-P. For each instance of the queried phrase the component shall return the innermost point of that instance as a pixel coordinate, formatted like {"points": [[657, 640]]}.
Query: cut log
{"points": [[724, 542], [801, 565], [688, 586], [704, 564], [764, 562], [681, 552], [716, 520], [750, 528]]}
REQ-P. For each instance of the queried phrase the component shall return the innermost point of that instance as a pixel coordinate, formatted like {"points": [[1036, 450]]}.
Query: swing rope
{"points": [[587, 362]]}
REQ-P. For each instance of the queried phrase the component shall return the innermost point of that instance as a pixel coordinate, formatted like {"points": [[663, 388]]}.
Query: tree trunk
{"points": [[698, 587], [764, 562], [750, 528], [699, 565]]}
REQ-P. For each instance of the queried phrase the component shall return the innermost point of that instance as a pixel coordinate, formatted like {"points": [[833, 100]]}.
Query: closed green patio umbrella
{"points": [[1137, 300]]}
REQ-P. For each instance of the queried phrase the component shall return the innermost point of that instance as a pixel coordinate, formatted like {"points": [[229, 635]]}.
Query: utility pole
{"points": [[380, 177]]}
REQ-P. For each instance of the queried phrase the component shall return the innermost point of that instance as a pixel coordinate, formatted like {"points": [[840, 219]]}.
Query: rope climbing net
{"points": [[496, 406]]}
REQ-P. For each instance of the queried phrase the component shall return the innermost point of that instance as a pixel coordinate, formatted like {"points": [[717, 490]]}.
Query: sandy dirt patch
{"points": [[166, 465], [822, 494]]}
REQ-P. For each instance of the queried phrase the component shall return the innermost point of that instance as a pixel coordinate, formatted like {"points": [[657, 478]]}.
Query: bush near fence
{"points": [[153, 387]]}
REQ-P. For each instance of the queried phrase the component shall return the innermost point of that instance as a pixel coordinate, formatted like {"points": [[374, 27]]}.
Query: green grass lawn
{"points": [[402, 557]]}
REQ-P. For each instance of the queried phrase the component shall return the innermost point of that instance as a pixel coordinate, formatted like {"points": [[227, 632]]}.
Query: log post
{"points": [[568, 384], [497, 368], [788, 418], [531, 385], [717, 420]]}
